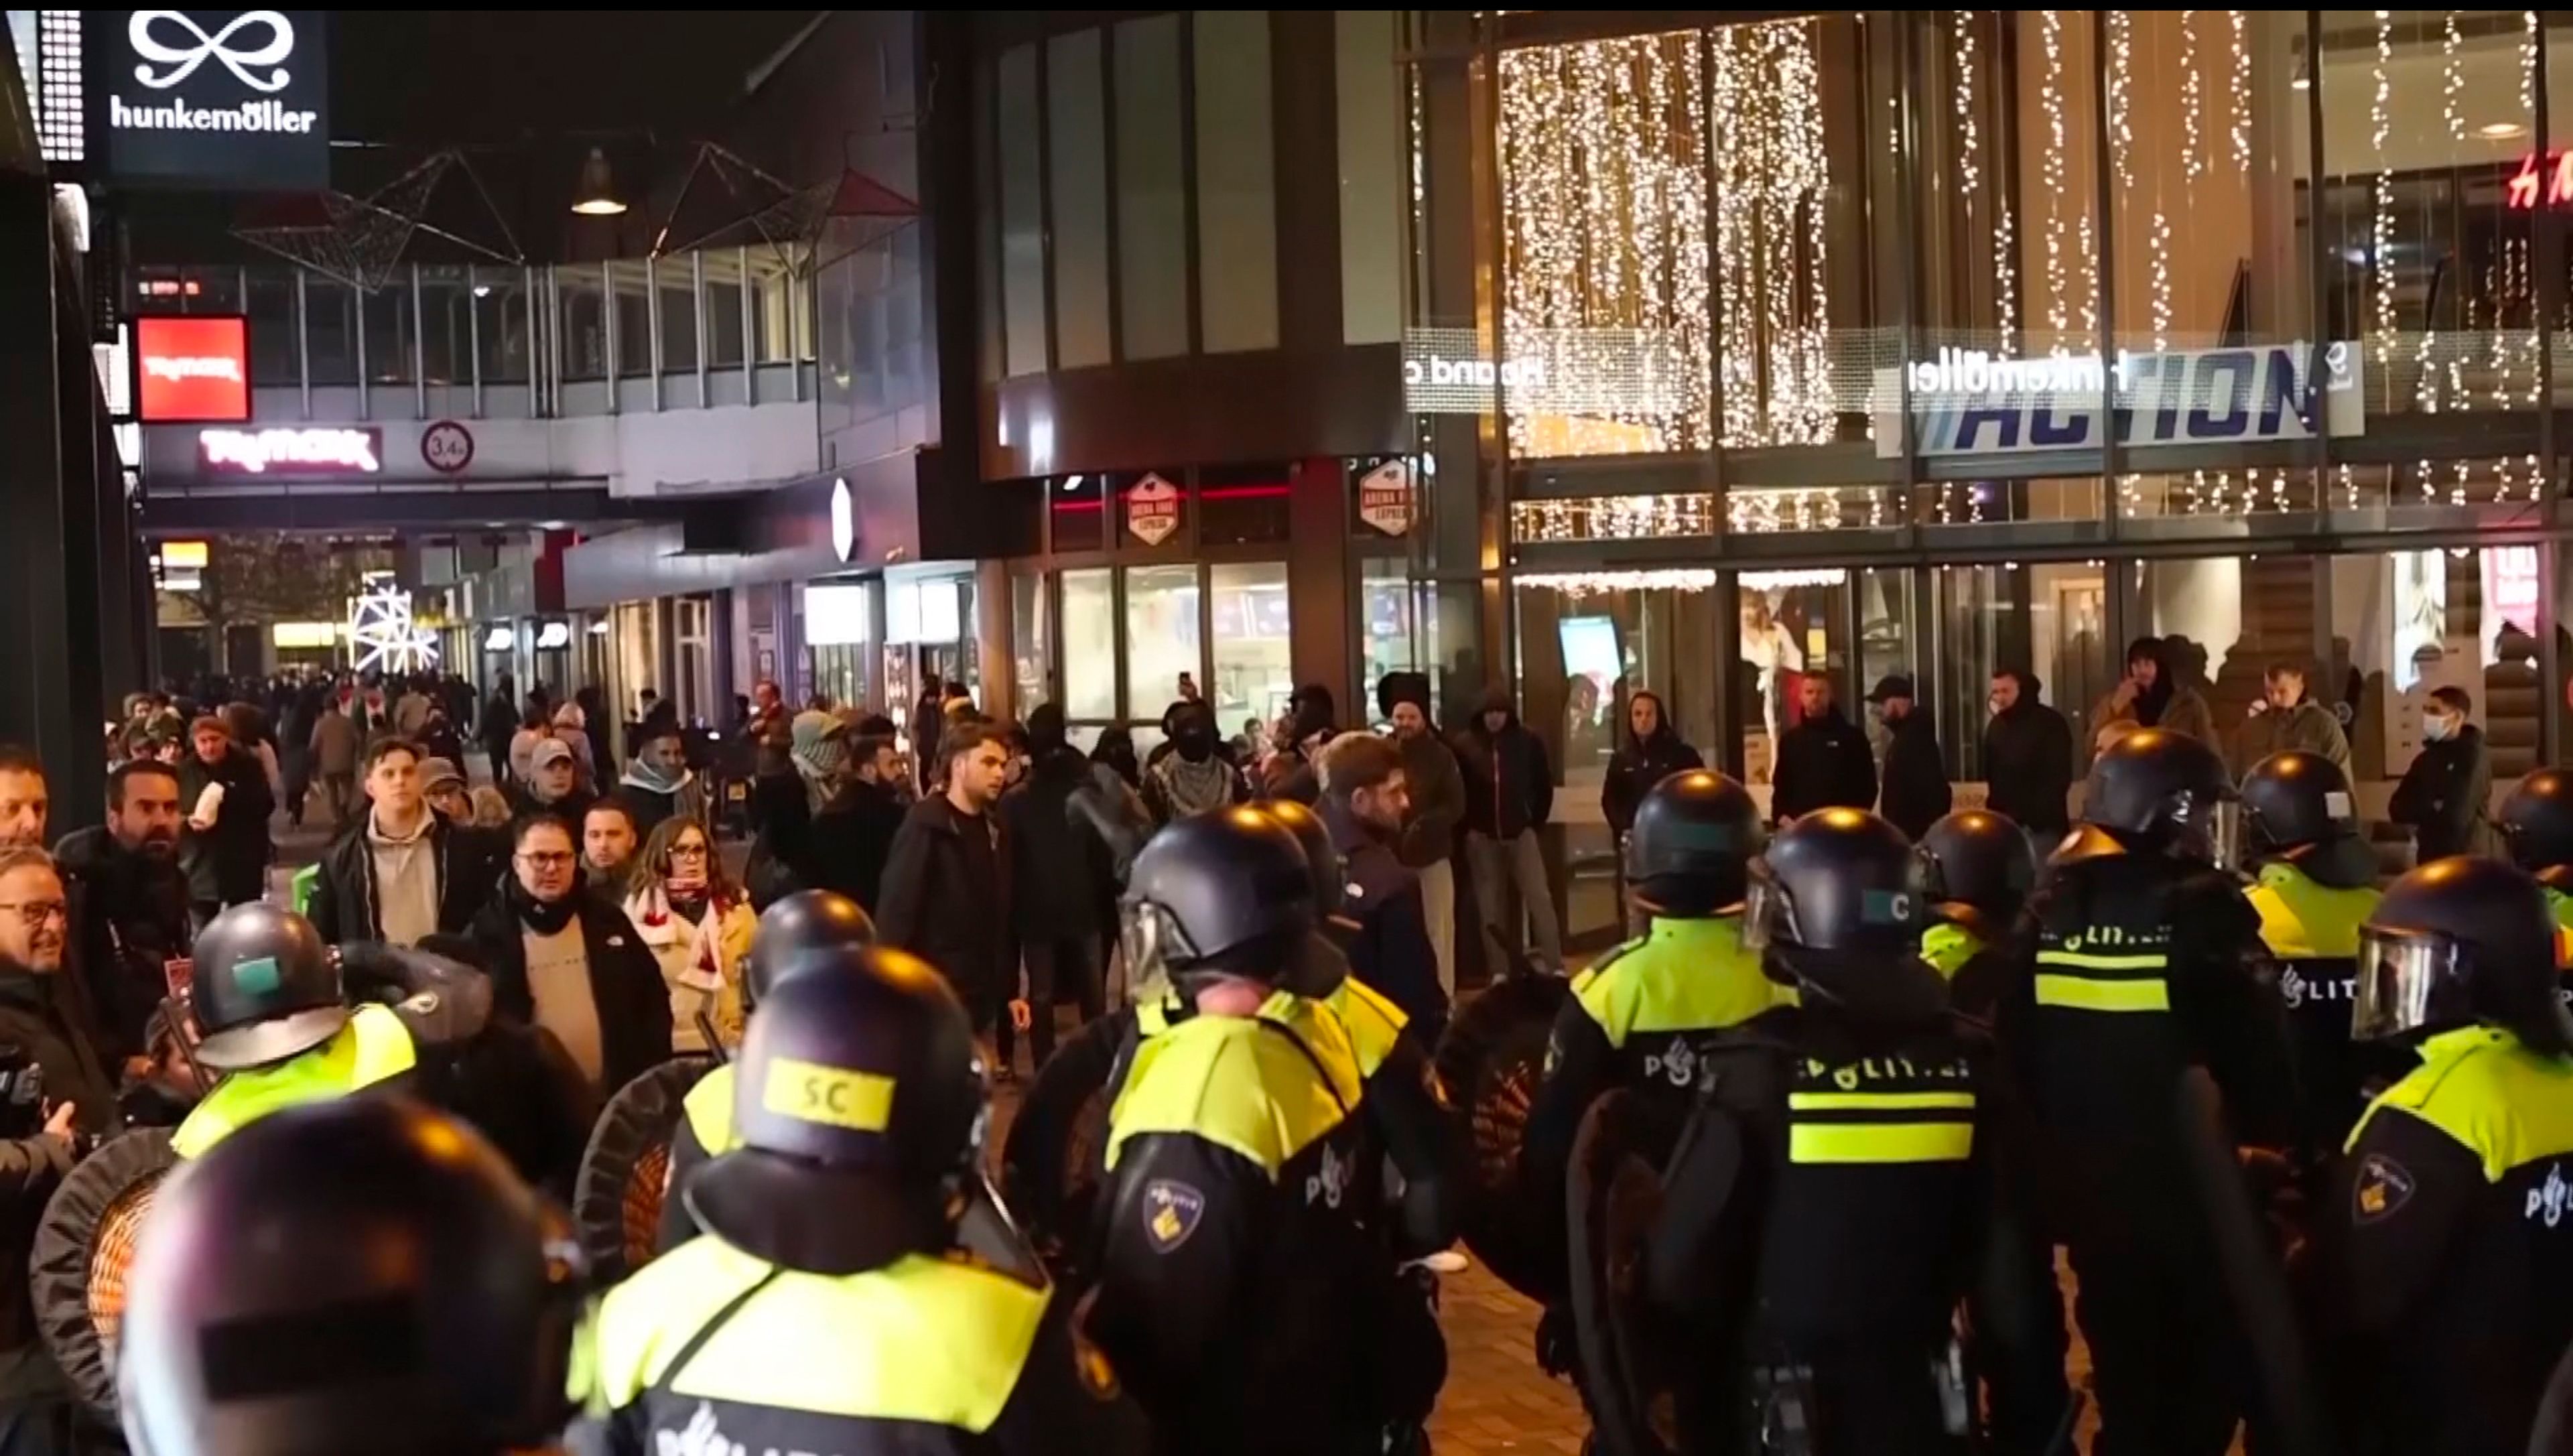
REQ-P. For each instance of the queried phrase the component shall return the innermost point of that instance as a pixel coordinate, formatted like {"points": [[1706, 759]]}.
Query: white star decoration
{"points": [[380, 627]]}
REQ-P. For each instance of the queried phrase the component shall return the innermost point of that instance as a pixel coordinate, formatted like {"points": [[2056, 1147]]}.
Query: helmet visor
{"points": [[2400, 978], [1151, 940], [1768, 917], [2204, 827]]}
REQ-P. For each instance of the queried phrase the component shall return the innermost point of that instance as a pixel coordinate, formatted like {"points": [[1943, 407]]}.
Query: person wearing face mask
{"points": [[2443, 795], [1192, 778], [129, 901], [698, 926]]}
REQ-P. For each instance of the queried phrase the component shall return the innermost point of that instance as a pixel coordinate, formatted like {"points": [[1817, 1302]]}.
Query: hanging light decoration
{"points": [[1772, 177], [2381, 236], [2238, 99]]}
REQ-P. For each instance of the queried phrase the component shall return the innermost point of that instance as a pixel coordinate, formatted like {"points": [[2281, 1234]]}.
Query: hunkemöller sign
{"points": [[210, 98]]}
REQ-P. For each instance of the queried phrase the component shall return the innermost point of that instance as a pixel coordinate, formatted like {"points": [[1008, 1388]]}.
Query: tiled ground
{"points": [[1496, 1398]]}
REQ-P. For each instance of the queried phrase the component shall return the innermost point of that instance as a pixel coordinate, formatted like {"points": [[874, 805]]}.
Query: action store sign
{"points": [[212, 97], [191, 370]]}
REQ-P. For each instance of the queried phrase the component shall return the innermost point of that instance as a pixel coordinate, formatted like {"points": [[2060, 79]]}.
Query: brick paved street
{"points": [[1496, 1398]]}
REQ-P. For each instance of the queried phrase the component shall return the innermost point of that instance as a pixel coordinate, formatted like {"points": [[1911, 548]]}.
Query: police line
{"points": [[2244, 395]]}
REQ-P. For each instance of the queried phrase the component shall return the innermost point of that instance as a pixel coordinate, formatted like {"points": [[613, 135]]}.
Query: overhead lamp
{"points": [[2501, 130], [597, 195]]}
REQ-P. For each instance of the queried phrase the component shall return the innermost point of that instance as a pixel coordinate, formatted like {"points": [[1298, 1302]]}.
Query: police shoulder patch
{"points": [[1171, 1210], [2383, 1187]]}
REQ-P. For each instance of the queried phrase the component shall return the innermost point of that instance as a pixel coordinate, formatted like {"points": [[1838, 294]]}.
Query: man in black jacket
{"points": [[568, 960], [1916, 775], [1509, 795], [1364, 800], [1056, 859], [2444, 794], [226, 847], [1824, 761], [2027, 758], [43, 1016], [947, 882], [403, 871], [129, 903]]}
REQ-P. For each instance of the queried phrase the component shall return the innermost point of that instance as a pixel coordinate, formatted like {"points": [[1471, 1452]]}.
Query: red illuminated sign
{"points": [[2554, 174], [192, 370]]}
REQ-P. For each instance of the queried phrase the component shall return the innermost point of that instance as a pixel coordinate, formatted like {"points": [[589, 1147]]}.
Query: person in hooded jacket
{"points": [[2151, 695], [1293, 772], [1916, 772], [2286, 718], [1056, 859], [1824, 761], [2028, 757], [1509, 796], [2445, 795], [1193, 776], [1652, 751]]}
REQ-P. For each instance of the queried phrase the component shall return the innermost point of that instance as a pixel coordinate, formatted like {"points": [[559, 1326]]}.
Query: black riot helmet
{"points": [[1229, 893], [2293, 800], [1330, 874], [2161, 790], [2461, 942], [264, 988], [355, 1275], [808, 919], [1689, 854], [859, 1100], [1976, 870], [2537, 820], [1836, 905]]}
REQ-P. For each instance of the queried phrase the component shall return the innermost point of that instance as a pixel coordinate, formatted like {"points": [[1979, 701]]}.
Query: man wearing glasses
{"points": [[569, 962], [55, 1091]]}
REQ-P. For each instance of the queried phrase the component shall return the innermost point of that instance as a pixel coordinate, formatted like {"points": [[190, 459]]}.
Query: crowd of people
{"points": [[2298, 1138]]}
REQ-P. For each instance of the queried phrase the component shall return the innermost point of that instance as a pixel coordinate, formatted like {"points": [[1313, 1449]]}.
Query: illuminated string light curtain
{"points": [[1772, 177], [1604, 203], [1967, 78], [2071, 252]]}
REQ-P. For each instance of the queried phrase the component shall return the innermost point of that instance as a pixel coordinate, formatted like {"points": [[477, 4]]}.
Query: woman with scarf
{"points": [[2151, 695], [698, 925], [784, 807]]}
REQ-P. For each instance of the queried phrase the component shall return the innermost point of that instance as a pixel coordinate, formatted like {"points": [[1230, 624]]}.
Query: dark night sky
{"points": [[525, 94], [431, 76]]}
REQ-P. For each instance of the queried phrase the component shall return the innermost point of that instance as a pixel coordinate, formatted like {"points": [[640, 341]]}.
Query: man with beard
{"points": [[129, 902], [47, 1024], [23, 800], [1366, 799], [658, 783]]}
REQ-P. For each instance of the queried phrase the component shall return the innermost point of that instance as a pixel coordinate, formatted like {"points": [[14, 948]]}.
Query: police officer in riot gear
{"points": [[826, 1307], [2315, 885], [363, 1274], [1861, 1169], [267, 998], [1234, 1265], [2144, 957], [1644, 1017], [2450, 1248], [2536, 822], [1405, 1115], [790, 934], [1977, 871]]}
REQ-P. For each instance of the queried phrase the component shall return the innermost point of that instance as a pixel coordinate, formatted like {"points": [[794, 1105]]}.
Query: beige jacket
{"points": [[701, 964]]}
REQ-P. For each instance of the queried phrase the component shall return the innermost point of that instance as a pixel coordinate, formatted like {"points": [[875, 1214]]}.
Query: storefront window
{"points": [[1794, 625], [1242, 505], [676, 281], [1388, 618], [444, 358], [500, 324], [1030, 646], [2224, 621], [330, 331], [1077, 150], [391, 330], [1023, 271], [1161, 638], [1237, 186], [2416, 621], [1254, 669], [1088, 645], [1152, 196], [2434, 185], [723, 309], [1077, 512], [633, 319], [585, 322], [2046, 620], [271, 327]]}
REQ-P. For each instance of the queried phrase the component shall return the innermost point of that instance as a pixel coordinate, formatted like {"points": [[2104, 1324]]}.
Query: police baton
{"points": [[714, 1043]]}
